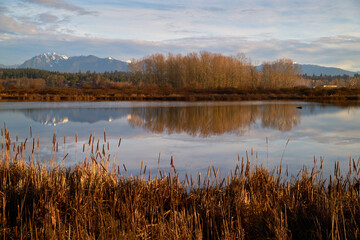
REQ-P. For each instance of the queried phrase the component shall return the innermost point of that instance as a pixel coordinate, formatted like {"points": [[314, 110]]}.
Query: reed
{"points": [[94, 200]]}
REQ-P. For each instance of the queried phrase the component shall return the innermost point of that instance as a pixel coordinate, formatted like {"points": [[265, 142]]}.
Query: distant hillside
{"points": [[317, 70], [61, 63], [9, 66]]}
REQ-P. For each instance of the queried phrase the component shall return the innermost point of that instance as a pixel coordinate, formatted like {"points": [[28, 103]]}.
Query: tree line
{"points": [[202, 70], [339, 80], [206, 70], [35, 78]]}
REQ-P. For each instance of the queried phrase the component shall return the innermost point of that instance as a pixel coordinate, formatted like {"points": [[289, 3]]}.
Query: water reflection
{"points": [[196, 120], [280, 116], [53, 117], [214, 120], [195, 134]]}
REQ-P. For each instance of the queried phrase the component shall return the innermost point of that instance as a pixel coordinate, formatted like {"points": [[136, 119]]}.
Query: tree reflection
{"points": [[214, 120], [280, 116], [195, 120]]}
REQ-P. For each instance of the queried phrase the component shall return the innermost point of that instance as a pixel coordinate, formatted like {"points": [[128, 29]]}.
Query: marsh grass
{"points": [[97, 200], [340, 96]]}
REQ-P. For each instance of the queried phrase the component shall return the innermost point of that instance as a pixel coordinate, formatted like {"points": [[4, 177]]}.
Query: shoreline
{"points": [[164, 94]]}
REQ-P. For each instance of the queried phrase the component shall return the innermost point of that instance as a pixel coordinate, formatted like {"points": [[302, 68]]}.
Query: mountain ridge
{"points": [[61, 63], [311, 69], [317, 70]]}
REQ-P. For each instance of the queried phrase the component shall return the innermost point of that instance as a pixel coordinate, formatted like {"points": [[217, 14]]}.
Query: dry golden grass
{"points": [[143, 93], [93, 200]]}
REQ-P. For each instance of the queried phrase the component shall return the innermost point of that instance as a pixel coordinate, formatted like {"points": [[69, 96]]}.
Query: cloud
{"points": [[60, 4], [325, 32], [47, 18], [155, 5], [3, 9], [9, 25], [214, 9], [337, 51]]}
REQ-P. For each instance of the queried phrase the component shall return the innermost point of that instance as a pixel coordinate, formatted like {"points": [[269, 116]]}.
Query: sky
{"points": [[323, 32]]}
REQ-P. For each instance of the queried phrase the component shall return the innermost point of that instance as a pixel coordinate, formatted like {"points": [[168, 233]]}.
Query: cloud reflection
{"points": [[194, 120], [196, 134]]}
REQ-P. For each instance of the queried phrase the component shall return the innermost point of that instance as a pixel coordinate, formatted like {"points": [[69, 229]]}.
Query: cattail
{"points": [[90, 139], [354, 165], [287, 170], [247, 170], [54, 138], [350, 165], [76, 138], [65, 156], [267, 152], [104, 136], [119, 142], [30, 131]]}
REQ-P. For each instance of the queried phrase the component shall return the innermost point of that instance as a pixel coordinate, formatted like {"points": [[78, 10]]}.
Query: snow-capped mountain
{"points": [[44, 61], [62, 63]]}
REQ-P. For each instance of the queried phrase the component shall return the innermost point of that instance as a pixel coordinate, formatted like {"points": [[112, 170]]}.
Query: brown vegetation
{"points": [[193, 77], [201, 71], [212, 71], [96, 201], [131, 93]]}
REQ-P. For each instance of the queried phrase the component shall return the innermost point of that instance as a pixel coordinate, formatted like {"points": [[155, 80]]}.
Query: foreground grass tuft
{"points": [[95, 201]]}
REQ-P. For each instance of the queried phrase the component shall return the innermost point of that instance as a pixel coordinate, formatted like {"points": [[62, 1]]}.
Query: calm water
{"points": [[195, 134]]}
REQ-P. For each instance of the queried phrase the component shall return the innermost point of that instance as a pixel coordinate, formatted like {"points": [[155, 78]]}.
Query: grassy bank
{"points": [[170, 94], [94, 200]]}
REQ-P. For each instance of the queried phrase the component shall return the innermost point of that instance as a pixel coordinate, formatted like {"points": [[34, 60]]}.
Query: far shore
{"points": [[166, 94]]}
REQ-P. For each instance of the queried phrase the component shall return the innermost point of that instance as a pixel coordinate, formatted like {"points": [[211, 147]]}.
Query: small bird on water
{"points": [[299, 107]]}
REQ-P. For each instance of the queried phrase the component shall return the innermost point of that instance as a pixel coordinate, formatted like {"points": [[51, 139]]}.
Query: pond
{"points": [[195, 134]]}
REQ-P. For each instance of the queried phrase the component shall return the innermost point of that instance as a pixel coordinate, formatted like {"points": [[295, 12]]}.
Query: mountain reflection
{"points": [[214, 120], [195, 120], [53, 117]]}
